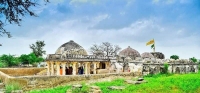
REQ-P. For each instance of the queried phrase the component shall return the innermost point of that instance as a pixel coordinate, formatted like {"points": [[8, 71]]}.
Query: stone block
{"points": [[116, 87]]}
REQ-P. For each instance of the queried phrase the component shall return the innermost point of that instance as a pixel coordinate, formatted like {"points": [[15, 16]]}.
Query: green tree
{"points": [[174, 57], [9, 60], [30, 58], [13, 11], [37, 48], [24, 59], [193, 59]]}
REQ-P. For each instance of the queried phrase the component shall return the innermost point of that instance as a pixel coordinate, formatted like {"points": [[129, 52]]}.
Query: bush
{"points": [[12, 86], [165, 70], [3, 65]]}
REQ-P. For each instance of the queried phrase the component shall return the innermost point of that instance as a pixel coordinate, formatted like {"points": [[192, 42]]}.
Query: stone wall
{"points": [[177, 68], [21, 71], [38, 82]]}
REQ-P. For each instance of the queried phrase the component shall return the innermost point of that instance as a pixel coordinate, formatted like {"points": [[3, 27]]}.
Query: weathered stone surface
{"points": [[2, 85], [76, 86], [140, 79], [94, 89], [116, 87], [135, 82]]}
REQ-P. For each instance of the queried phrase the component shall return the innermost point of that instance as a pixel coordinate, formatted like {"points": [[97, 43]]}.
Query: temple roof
{"points": [[71, 47], [129, 52], [147, 55]]}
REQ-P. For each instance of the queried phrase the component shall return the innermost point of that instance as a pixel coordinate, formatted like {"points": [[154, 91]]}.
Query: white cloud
{"points": [[169, 40]]}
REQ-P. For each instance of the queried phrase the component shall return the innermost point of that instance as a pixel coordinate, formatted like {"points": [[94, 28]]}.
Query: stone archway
{"points": [[177, 70], [192, 69]]}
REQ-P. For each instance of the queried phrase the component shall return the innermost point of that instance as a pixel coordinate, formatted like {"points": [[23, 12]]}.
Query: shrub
{"points": [[12, 86], [165, 70]]}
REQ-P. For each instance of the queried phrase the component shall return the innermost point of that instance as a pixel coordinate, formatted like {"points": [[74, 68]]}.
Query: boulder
{"points": [[116, 87], [78, 86], [140, 79], [94, 89]]}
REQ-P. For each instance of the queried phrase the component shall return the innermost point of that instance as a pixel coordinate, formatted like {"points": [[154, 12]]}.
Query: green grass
{"points": [[59, 89], [160, 83]]}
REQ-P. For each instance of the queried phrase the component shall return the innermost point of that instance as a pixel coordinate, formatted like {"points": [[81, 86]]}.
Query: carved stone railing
{"points": [[70, 56]]}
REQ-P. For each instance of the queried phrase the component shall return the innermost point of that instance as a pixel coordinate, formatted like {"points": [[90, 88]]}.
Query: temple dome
{"points": [[147, 55], [158, 55], [129, 52], [71, 47]]}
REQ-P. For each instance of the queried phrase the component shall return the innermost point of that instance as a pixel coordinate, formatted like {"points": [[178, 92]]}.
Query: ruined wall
{"points": [[177, 68], [38, 82], [21, 71]]}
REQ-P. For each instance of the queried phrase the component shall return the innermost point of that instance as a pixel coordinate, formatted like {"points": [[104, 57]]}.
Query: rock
{"points": [[135, 82], [130, 81], [17, 91], [2, 85], [140, 79], [94, 89], [116, 87], [76, 86], [139, 82], [69, 91]]}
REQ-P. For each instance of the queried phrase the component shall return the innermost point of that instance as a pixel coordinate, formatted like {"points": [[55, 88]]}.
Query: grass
{"points": [[12, 86], [59, 89], [160, 83]]}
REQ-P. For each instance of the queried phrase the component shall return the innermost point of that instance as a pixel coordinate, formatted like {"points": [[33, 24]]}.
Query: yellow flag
{"points": [[150, 42]]}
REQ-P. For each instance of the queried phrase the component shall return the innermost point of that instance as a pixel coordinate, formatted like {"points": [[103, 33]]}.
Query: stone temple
{"points": [[72, 59]]}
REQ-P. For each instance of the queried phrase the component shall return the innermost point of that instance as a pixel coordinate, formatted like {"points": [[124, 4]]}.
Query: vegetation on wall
{"points": [[193, 59], [175, 57]]}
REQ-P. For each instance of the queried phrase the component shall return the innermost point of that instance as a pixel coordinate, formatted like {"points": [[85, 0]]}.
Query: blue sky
{"points": [[174, 24]]}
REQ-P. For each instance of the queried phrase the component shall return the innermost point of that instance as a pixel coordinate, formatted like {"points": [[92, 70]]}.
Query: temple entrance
{"points": [[177, 70], [103, 66], [68, 70]]}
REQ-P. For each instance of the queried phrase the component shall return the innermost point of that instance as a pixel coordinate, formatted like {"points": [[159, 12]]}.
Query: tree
{"points": [[30, 58], [106, 49], [13, 11], [193, 59], [175, 57], [9, 60], [37, 48]]}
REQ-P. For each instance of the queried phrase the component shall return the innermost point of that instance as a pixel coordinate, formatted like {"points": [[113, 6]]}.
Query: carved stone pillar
{"points": [[52, 68], [98, 64], [88, 65], [58, 68], [95, 68], [74, 68], [48, 68], [63, 68], [86, 68]]}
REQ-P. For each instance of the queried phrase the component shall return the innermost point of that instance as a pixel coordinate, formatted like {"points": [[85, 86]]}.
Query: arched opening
{"points": [[177, 70]]}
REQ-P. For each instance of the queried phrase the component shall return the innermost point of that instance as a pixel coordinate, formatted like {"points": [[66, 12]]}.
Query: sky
{"points": [[173, 24]]}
